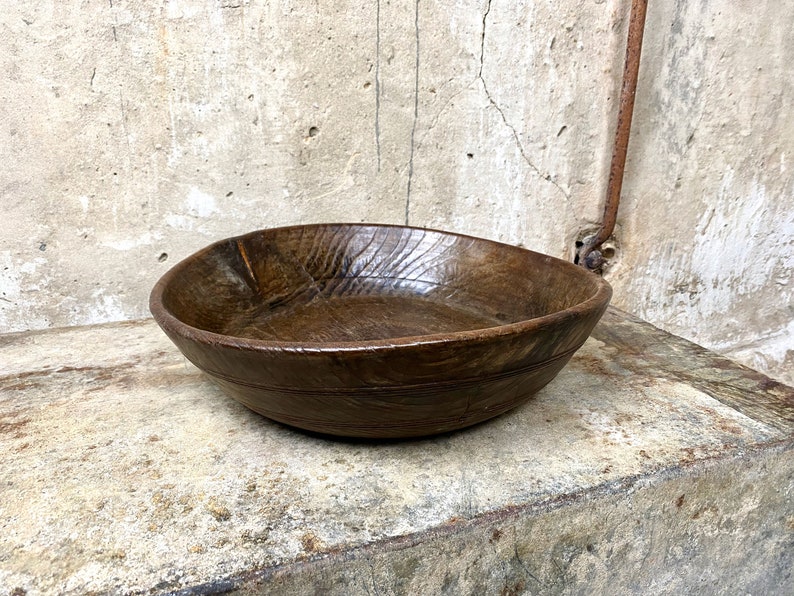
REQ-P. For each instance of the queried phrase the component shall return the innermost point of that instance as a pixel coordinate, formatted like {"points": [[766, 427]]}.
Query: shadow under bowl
{"points": [[377, 331]]}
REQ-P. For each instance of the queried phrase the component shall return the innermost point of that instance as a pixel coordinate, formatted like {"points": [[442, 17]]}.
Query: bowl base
{"points": [[360, 318]]}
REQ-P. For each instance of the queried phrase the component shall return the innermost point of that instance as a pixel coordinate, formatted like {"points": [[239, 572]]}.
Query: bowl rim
{"points": [[173, 325]]}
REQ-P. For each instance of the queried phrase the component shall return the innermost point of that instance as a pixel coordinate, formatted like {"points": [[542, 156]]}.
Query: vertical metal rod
{"points": [[620, 148]]}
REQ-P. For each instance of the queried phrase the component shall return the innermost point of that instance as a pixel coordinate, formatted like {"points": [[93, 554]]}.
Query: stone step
{"points": [[649, 465]]}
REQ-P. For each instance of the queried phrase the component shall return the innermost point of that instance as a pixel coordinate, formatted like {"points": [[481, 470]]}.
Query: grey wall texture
{"points": [[135, 132]]}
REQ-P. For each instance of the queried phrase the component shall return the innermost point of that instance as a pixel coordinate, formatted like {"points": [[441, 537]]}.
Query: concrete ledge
{"points": [[648, 465]]}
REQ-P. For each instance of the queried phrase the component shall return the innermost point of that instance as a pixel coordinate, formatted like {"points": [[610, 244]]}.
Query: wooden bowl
{"points": [[374, 330]]}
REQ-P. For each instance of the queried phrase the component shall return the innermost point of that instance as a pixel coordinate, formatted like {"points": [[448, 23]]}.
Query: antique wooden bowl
{"points": [[377, 331]]}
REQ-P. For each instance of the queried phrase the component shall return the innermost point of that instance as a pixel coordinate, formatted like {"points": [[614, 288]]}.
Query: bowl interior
{"points": [[349, 283]]}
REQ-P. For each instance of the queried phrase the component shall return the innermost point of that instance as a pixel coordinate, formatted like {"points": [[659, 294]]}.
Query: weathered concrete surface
{"points": [[648, 465], [686, 533], [138, 132], [135, 132], [708, 216]]}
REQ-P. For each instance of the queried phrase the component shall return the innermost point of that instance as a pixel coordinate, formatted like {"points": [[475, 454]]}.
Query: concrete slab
{"points": [[649, 464]]}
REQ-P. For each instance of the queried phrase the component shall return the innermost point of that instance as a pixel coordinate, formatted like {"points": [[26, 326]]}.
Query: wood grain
{"points": [[377, 331]]}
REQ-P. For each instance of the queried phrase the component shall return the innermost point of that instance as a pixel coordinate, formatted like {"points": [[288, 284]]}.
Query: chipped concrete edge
{"points": [[456, 527]]}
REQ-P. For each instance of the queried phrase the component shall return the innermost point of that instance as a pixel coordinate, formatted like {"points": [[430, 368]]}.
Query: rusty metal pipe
{"points": [[588, 256]]}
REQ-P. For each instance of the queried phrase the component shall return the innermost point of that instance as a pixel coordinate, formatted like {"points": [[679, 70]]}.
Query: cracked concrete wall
{"points": [[709, 208], [134, 133]]}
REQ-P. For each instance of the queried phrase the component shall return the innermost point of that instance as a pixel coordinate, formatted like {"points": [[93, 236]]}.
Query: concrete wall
{"points": [[134, 133]]}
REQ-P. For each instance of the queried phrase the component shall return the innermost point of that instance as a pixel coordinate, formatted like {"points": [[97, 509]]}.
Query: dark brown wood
{"points": [[377, 331]]}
